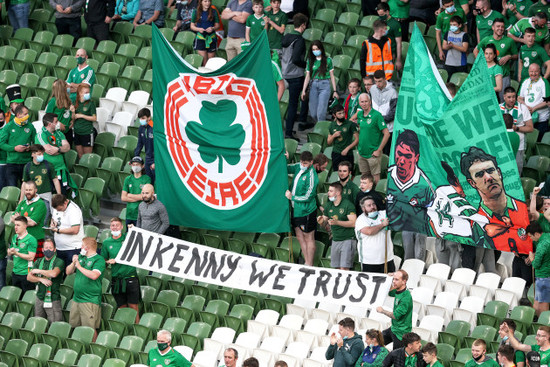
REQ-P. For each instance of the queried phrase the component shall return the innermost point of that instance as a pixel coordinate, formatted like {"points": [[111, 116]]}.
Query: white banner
{"points": [[171, 256]]}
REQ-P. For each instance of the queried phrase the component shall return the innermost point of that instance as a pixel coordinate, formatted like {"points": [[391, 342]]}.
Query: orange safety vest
{"points": [[379, 59]]}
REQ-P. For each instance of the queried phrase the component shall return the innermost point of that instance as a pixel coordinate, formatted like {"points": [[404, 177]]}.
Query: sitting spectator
{"points": [[34, 209], [230, 357], [455, 43], [532, 93], [375, 352], [256, 22], [164, 354], [542, 340], [384, 100], [374, 244], [89, 267], [531, 53], [495, 70], [408, 355], [352, 100], [149, 12], [23, 249], [68, 227], [343, 136], [518, 356], [67, 16], [124, 282], [367, 188], [205, 22], [152, 215], [479, 357], [345, 348], [376, 52], [41, 171], [60, 104], [125, 10], [185, 9], [368, 82], [320, 162], [145, 139], [280, 364], [47, 273], [540, 260], [131, 190], [429, 355], [82, 74], [83, 121]]}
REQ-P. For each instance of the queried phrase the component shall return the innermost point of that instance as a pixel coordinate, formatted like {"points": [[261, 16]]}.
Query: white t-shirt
{"points": [[523, 115], [371, 248], [72, 216], [533, 92], [287, 5]]}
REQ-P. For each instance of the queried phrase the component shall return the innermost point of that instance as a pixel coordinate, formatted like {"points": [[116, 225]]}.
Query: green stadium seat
{"points": [[124, 318], [213, 241], [38, 355], [7, 77], [421, 26], [66, 63], [34, 327], [149, 324], [128, 349], [291, 146], [312, 34], [45, 64], [9, 295], [146, 83], [41, 41], [10, 325], [7, 54], [445, 353], [130, 75], [108, 73], [57, 334], [238, 317], [484, 332], [246, 237], [236, 245], [536, 167], [34, 104], [531, 140], [204, 290], [28, 81], [104, 344], [455, 331], [463, 356], [353, 46], [64, 357], [23, 60], [458, 78], [114, 362], [104, 51], [14, 350], [25, 306], [90, 231], [314, 148], [261, 249], [177, 327], [333, 42], [125, 147], [89, 360], [87, 43], [365, 27], [195, 335], [444, 75], [6, 32], [194, 59], [94, 64], [285, 245], [21, 38], [523, 316], [319, 250], [353, 6], [270, 239], [168, 33], [213, 313], [141, 37], [544, 319], [107, 311], [124, 54], [89, 196], [80, 339], [87, 165], [78, 179], [187, 39], [192, 304], [121, 32], [323, 20], [144, 58], [38, 18], [108, 172], [346, 23]]}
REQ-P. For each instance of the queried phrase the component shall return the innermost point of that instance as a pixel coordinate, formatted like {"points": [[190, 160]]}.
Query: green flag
{"points": [[452, 172], [219, 148]]}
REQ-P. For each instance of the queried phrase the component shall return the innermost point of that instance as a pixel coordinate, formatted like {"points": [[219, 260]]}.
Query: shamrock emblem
{"points": [[217, 136]]}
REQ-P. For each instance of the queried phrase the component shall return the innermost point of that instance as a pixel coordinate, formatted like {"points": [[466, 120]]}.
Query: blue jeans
{"points": [[14, 173], [19, 15], [3, 264], [149, 171], [295, 86], [67, 255], [318, 99], [3, 171]]}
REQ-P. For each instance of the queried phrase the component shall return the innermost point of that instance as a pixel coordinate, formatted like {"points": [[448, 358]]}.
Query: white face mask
{"points": [[116, 233], [332, 198], [58, 126], [136, 169], [373, 214], [83, 252], [302, 167]]}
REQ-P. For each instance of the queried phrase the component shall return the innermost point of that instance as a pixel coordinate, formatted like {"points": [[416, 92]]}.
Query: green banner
{"points": [[219, 148], [452, 172]]}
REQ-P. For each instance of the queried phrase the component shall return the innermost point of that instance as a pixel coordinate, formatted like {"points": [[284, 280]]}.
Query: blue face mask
{"points": [[316, 53], [450, 9], [69, 90], [87, 97], [40, 158], [143, 122], [453, 28]]}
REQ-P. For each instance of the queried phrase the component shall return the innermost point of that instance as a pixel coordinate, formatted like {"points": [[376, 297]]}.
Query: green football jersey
{"points": [[340, 212]]}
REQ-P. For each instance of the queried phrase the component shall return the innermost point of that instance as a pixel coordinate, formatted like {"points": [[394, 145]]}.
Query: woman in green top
{"points": [[495, 70], [320, 71], [60, 104], [375, 352], [83, 121]]}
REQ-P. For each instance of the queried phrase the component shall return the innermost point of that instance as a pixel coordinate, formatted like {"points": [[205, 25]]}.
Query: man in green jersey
{"points": [[516, 10], [485, 17], [23, 249], [276, 20], [349, 188], [89, 267], [399, 10], [408, 355], [343, 136], [47, 273], [479, 356], [125, 283], [540, 261], [164, 355], [540, 6], [531, 53], [401, 316], [34, 209], [81, 74], [131, 190], [230, 357], [394, 33], [542, 345], [538, 22]]}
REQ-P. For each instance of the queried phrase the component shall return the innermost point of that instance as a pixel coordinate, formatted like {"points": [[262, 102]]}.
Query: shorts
{"points": [[85, 314], [53, 314], [306, 223], [542, 290], [200, 45], [343, 253], [369, 165], [84, 140], [132, 294]]}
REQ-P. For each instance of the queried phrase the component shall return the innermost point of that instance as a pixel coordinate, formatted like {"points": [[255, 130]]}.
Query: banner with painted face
{"points": [[452, 171], [219, 148]]}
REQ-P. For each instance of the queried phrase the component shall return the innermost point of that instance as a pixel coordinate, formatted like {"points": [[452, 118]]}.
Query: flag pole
{"points": [[386, 252]]}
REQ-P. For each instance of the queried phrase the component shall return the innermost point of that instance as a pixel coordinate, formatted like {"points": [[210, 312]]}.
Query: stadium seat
{"points": [[443, 305], [63, 357], [238, 317], [346, 23], [9, 295], [523, 316], [214, 312], [28, 81], [141, 36], [21, 38], [205, 359], [429, 327], [122, 321], [14, 350], [484, 332], [104, 344], [536, 167], [422, 296], [87, 165], [323, 20], [149, 324], [195, 335], [7, 77], [191, 306], [511, 291], [120, 123], [485, 286], [108, 73], [89, 196], [11, 323], [89, 360], [543, 319], [104, 51], [194, 59], [333, 42], [128, 349], [34, 327], [469, 308], [436, 275], [460, 282], [38, 355], [45, 87], [114, 362], [121, 32], [165, 303], [108, 172], [414, 268], [86, 43], [103, 144], [455, 332], [23, 60], [80, 339], [34, 104]]}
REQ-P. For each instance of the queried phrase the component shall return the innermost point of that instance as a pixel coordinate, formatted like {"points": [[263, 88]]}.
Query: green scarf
{"points": [[48, 295]]}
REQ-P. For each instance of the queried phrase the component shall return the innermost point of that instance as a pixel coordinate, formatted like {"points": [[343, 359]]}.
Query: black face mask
{"points": [[344, 179], [478, 358], [341, 119]]}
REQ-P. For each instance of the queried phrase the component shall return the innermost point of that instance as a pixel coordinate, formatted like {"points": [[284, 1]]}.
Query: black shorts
{"points": [[132, 294], [307, 223], [200, 45], [84, 140]]}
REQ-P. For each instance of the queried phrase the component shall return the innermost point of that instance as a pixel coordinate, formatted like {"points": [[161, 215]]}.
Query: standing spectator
{"points": [[131, 190], [3, 153], [320, 162], [68, 227], [401, 316], [124, 282], [532, 93], [18, 13], [414, 245], [15, 139], [443, 24], [375, 352], [479, 356], [145, 139], [205, 22], [23, 249], [60, 104], [152, 215], [455, 44], [34, 209], [47, 273], [374, 244], [349, 188], [82, 74], [293, 68], [485, 17], [345, 348], [373, 136], [14, 96], [230, 357], [352, 100], [429, 355], [394, 33], [531, 53], [304, 205], [125, 10], [541, 263], [339, 219], [399, 9], [42, 173], [67, 16], [366, 188], [376, 52], [343, 136], [3, 254], [89, 267], [236, 12], [185, 9], [384, 100], [164, 354], [149, 12], [539, 23], [540, 6], [518, 357], [407, 354], [515, 10], [449, 253], [495, 70], [97, 15], [255, 23], [320, 71], [276, 23], [83, 121]]}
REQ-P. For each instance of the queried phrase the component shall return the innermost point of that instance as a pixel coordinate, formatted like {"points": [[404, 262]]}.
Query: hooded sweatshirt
{"points": [[348, 354]]}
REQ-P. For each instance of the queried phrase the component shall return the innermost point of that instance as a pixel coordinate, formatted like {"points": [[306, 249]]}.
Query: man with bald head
{"points": [[532, 93], [373, 136], [152, 215], [82, 73]]}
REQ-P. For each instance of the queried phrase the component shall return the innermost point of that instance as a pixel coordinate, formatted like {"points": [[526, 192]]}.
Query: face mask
{"points": [[332, 198], [344, 179], [87, 97], [162, 346], [58, 126], [69, 90], [22, 120], [40, 158], [136, 169], [143, 122], [371, 346], [316, 53], [49, 253], [116, 233], [184, 2], [80, 60], [302, 167], [83, 252], [478, 358], [366, 191], [341, 119], [450, 9], [373, 215], [453, 28], [386, 32], [383, 17]]}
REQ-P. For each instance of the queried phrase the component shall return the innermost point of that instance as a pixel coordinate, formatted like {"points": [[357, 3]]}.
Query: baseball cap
{"points": [[136, 159], [533, 359]]}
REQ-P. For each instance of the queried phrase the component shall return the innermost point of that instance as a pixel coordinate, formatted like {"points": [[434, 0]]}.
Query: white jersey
{"points": [[371, 248]]}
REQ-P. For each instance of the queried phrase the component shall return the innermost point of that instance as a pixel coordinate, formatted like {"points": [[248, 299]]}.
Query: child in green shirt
{"points": [[429, 354], [256, 22]]}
